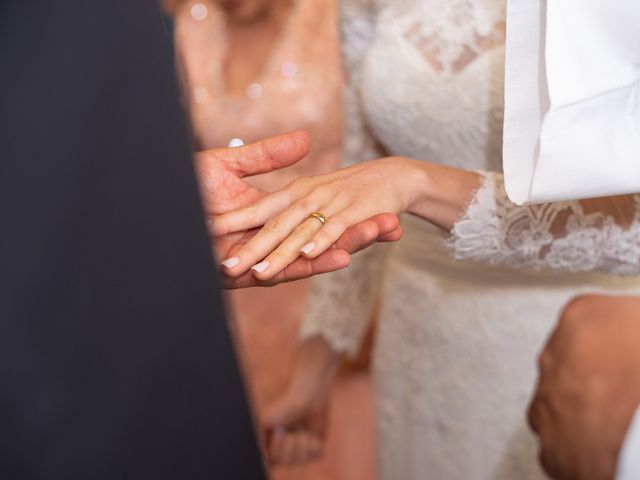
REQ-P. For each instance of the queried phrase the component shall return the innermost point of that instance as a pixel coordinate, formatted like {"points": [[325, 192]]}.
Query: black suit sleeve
{"points": [[115, 359]]}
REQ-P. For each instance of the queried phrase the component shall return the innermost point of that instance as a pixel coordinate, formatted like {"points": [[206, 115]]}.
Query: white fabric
{"points": [[572, 99], [456, 346], [559, 236], [629, 461]]}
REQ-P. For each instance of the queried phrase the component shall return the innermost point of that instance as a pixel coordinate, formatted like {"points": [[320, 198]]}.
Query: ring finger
{"points": [[289, 250], [294, 222]]}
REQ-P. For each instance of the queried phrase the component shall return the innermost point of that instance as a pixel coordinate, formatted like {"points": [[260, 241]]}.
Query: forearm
{"points": [[440, 194], [487, 227]]}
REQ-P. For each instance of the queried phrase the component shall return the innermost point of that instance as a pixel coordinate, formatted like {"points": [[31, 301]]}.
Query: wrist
{"points": [[418, 185], [441, 194]]}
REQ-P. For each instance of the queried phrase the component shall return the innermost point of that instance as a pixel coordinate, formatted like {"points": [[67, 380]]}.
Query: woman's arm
{"points": [[394, 185], [597, 234]]}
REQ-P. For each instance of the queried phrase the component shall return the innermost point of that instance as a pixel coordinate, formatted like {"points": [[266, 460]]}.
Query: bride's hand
{"points": [[381, 228], [344, 198], [222, 175]]}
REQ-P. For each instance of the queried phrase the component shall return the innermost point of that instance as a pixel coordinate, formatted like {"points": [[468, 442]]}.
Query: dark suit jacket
{"points": [[115, 359]]}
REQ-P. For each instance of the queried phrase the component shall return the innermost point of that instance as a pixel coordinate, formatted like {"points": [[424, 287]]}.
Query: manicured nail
{"points": [[231, 262], [308, 248], [261, 267]]}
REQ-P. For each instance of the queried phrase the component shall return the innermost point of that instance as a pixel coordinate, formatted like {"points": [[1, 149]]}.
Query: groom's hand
{"points": [[588, 388], [221, 174]]}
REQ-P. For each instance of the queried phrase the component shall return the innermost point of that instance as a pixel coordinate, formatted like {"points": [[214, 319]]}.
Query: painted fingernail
{"points": [[308, 248], [261, 267], [231, 262]]}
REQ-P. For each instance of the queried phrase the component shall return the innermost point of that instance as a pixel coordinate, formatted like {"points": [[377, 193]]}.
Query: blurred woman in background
{"points": [[251, 69], [255, 68]]}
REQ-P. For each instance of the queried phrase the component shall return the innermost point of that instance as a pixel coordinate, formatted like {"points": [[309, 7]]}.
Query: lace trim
{"points": [[495, 231], [341, 304]]}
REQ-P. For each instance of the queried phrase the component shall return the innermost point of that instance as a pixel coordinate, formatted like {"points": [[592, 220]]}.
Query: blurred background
{"points": [[251, 69]]}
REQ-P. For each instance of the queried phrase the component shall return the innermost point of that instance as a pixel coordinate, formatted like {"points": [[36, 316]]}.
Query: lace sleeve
{"points": [[342, 303], [598, 234]]}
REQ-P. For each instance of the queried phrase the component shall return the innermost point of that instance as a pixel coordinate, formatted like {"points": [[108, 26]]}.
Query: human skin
{"points": [[437, 193], [222, 176], [588, 389]]}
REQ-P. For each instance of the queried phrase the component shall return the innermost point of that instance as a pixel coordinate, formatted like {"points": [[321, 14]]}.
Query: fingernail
{"points": [[231, 262], [279, 430], [308, 248], [261, 267]]}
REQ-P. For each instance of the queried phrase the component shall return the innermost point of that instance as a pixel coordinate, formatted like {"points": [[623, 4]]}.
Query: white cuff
{"points": [[572, 99], [629, 460]]}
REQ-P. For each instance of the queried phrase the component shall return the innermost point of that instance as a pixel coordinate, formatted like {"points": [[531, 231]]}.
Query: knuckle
{"points": [[343, 196], [308, 204], [322, 237], [299, 185], [303, 230], [274, 259], [322, 191], [246, 215], [251, 251], [577, 309], [251, 211], [337, 223], [273, 226]]}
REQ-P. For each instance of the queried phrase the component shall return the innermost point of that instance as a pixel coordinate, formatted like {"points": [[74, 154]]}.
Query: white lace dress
{"points": [[461, 316]]}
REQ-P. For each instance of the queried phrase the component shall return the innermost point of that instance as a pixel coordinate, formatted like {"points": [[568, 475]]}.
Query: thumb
{"points": [[266, 155]]}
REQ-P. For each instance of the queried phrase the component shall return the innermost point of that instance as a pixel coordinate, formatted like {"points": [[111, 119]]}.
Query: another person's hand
{"points": [[295, 424], [589, 387], [343, 198], [221, 174]]}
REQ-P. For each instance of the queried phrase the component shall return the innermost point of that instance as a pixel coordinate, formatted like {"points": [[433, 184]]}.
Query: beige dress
{"points": [[300, 86]]}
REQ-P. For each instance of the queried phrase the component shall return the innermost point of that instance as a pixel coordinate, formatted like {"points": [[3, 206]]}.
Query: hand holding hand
{"points": [[221, 173], [344, 198], [308, 216], [588, 389]]}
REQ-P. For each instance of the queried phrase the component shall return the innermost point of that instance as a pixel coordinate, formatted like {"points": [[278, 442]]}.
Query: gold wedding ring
{"points": [[318, 216]]}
